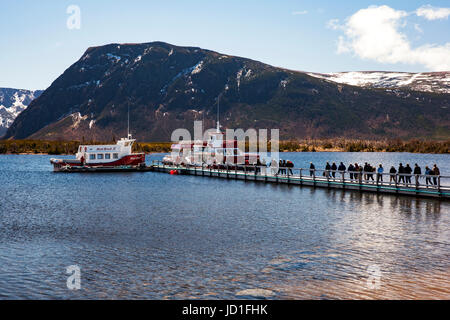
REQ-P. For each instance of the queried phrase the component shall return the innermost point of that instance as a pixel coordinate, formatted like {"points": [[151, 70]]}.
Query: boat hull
{"points": [[129, 160]]}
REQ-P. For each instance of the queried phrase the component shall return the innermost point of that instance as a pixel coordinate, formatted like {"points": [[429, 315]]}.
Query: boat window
{"points": [[115, 156], [107, 156], [92, 156], [100, 156]]}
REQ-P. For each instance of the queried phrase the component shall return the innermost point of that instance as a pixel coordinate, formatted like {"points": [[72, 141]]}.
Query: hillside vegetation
{"points": [[316, 145]]}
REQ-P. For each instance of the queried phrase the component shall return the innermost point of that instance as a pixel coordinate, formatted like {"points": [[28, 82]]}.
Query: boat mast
{"points": [[218, 109], [128, 130]]}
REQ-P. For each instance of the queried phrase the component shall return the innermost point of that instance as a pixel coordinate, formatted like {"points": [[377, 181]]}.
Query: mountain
{"points": [[166, 87], [12, 103], [438, 82]]}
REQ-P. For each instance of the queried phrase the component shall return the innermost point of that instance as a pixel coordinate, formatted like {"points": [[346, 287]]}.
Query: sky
{"points": [[40, 39]]}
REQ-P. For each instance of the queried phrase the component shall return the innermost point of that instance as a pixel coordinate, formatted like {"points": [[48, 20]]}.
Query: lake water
{"points": [[156, 236]]}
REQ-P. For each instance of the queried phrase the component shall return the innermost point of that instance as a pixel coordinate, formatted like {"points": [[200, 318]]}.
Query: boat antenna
{"points": [[128, 121], [218, 110]]}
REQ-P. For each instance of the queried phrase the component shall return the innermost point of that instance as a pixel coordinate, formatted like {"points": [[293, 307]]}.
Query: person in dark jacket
{"points": [[312, 168], [342, 167], [280, 167], [327, 170], [357, 171], [366, 169], [371, 170], [392, 173], [351, 168], [401, 172], [417, 169], [428, 174], [333, 170], [436, 173], [408, 171], [417, 172], [258, 166], [289, 166]]}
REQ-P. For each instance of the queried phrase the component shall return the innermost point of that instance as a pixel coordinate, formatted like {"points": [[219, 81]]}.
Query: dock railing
{"points": [[405, 182]]}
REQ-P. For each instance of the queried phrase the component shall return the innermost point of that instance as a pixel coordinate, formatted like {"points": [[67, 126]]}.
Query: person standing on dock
{"points": [[289, 166], [258, 166], [417, 172], [428, 174], [380, 171], [333, 170], [280, 167], [408, 171], [366, 169], [371, 170], [327, 170], [357, 171], [401, 172], [283, 167], [274, 167], [436, 173], [392, 173], [312, 168], [351, 168]]}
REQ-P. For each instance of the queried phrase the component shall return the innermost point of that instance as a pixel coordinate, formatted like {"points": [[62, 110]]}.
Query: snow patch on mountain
{"points": [[438, 82], [197, 68], [12, 103], [77, 118]]}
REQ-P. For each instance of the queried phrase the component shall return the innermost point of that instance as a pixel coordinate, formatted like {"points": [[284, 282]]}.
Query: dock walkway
{"points": [[320, 179]]}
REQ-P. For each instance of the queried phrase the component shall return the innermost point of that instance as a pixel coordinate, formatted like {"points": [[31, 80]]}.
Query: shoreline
{"points": [[305, 145], [166, 152]]}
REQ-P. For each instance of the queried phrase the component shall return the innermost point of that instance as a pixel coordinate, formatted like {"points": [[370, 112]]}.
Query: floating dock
{"points": [[316, 179]]}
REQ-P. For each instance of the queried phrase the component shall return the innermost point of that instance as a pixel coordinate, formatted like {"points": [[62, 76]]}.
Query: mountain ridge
{"points": [[436, 82], [168, 87]]}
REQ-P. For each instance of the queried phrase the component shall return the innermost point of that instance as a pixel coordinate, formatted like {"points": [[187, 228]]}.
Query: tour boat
{"points": [[98, 156], [215, 151]]}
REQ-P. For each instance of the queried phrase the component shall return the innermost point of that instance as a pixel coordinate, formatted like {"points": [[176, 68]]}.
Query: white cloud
{"points": [[432, 13], [333, 24], [295, 13], [374, 34]]}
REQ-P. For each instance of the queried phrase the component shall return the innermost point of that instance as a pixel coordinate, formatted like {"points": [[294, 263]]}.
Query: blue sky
{"points": [[319, 36]]}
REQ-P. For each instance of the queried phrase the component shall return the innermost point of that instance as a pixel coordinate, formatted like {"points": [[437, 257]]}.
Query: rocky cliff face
{"points": [[167, 87], [12, 103]]}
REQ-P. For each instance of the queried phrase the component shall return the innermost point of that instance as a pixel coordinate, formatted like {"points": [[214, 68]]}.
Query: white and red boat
{"points": [[215, 151], [98, 156]]}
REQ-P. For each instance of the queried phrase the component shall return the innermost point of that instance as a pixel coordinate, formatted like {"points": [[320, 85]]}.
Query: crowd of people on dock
{"points": [[403, 174], [367, 172]]}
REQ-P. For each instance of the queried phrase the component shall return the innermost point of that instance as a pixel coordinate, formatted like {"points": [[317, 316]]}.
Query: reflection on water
{"points": [[156, 236]]}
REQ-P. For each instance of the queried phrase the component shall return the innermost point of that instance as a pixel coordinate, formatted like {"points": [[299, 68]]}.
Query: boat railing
{"points": [[396, 180]]}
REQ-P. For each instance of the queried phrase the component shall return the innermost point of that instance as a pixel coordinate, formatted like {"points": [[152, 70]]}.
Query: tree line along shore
{"points": [[307, 145]]}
